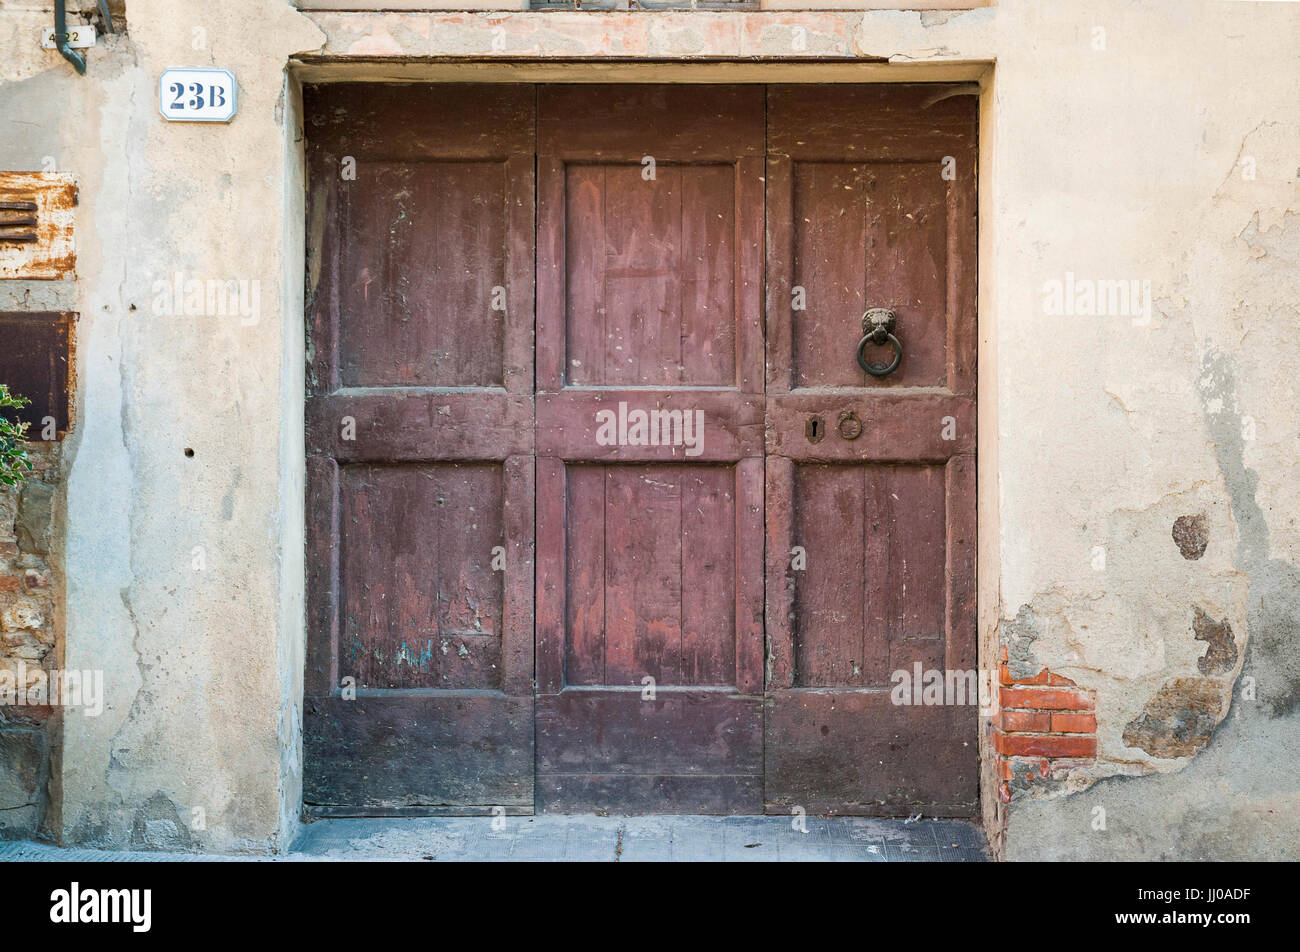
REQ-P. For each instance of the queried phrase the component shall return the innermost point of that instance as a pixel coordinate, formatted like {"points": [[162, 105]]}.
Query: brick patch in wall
{"points": [[27, 639], [1045, 725]]}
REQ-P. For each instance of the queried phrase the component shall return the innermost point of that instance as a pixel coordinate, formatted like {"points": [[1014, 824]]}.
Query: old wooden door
{"points": [[870, 481], [649, 560], [420, 442], [662, 442]]}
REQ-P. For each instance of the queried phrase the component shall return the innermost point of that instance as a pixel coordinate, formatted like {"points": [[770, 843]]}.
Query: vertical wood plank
{"points": [[551, 283], [908, 266], [749, 266], [517, 621], [586, 251], [878, 533], [780, 579], [585, 575], [520, 273], [916, 548], [324, 207], [709, 574], [962, 286], [322, 576], [710, 313], [643, 574], [749, 549], [828, 601], [831, 251], [551, 570], [961, 633], [780, 274]]}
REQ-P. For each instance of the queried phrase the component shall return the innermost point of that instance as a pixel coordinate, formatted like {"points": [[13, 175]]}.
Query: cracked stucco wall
{"points": [[1116, 143], [183, 577], [1166, 157]]}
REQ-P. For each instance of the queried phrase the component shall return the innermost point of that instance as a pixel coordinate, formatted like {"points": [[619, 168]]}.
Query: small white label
{"points": [[196, 95], [79, 37]]}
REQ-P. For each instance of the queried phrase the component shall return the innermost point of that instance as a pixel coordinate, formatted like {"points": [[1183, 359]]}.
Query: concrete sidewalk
{"points": [[589, 839]]}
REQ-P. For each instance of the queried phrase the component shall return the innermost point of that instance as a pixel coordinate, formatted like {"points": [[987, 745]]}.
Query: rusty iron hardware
{"points": [[878, 325], [36, 225], [850, 426], [9, 221], [815, 429]]}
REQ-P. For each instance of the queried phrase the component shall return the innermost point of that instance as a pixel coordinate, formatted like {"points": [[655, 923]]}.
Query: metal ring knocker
{"points": [[877, 328]]}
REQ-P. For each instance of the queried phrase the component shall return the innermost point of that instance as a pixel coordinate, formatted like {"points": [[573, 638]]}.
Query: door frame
{"points": [[293, 606]]}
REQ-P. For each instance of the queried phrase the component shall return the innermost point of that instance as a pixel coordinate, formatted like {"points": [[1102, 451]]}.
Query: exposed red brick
{"points": [[1044, 745], [1044, 677], [1047, 699], [8, 583], [1040, 678], [1074, 723], [1038, 721]]}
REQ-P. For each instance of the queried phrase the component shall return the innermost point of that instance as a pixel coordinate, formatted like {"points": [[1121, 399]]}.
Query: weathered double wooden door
{"points": [[604, 513]]}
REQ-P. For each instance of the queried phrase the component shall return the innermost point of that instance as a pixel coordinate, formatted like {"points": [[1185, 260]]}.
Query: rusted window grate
{"points": [[34, 352], [17, 222], [36, 219]]}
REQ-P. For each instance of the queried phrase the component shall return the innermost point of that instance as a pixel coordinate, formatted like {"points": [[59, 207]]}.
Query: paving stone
{"points": [[588, 839]]}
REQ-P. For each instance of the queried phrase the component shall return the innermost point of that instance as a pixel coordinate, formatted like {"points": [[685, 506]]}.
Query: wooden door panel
{"points": [[649, 598], [865, 756], [651, 575], [665, 273], [888, 588], [686, 751], [654, 264], [871, 203], [372, 756], [870, 482], [420, 450], [435, 236], [421, 604], [867, 235]]}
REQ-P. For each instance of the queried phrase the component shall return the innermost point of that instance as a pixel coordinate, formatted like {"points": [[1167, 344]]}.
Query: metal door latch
{"points": [[850, 426]]}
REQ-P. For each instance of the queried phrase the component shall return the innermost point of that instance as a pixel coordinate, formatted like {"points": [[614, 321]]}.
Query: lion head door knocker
{"points": [[878, 325]]}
